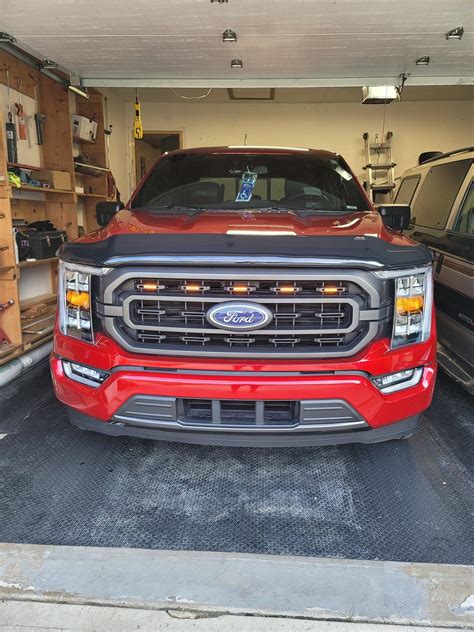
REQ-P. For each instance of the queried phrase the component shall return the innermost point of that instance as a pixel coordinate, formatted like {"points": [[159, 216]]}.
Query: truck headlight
{"points": [[75, 299], [413, 303], [412, 308]]}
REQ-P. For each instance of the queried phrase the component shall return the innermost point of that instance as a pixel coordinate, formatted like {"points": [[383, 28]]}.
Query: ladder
{"points": [[379, 166]]}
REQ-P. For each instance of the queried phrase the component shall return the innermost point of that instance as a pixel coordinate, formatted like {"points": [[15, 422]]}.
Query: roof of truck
{"points": [[256, 149]]}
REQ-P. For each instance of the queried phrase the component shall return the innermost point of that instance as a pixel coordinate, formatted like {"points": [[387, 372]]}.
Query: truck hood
{"points": [[128, 222], [360, 239]]}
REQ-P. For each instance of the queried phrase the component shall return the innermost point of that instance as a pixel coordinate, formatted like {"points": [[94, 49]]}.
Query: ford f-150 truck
{"points": [[247, 296]]}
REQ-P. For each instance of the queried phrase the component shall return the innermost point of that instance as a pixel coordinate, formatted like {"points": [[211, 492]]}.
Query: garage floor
{"points": [[407, 501]]}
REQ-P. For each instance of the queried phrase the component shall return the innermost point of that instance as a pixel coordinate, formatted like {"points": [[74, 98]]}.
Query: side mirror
{"points": [[395, 216], [104, 211]]}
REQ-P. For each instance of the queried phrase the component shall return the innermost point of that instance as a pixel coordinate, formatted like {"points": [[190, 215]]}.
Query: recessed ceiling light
{"points": [[229, 36], [219, 1], [456, 33], [423, 61], [236, 63]]}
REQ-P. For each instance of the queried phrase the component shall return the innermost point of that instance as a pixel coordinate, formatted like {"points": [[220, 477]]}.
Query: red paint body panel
{"points": [[357, 390], [354, 224]]}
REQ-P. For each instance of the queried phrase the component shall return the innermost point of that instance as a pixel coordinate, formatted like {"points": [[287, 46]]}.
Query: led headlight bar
{"points": [[75, 299]]}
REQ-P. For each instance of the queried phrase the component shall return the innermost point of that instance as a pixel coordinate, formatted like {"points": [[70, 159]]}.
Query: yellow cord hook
{"points": [[137, 124]]}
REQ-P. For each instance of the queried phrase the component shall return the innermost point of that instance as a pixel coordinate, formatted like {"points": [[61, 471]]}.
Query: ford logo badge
{"points": [[241, 316]]}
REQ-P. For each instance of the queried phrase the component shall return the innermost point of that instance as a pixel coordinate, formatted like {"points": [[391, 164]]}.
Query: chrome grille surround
{"points": [[172, 321]]}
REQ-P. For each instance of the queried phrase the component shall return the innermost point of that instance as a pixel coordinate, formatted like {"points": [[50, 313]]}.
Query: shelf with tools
{"points": [[30, 160], [91, 172]]}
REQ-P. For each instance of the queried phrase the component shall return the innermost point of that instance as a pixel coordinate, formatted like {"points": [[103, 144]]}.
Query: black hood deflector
{"points": [[319, 251]]}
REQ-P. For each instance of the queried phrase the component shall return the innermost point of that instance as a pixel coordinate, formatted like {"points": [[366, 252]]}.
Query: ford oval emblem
{"points": [[241, 316]]}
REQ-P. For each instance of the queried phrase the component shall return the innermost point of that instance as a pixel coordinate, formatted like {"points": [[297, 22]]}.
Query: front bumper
{"points": [[245, 439], [342, 380]]}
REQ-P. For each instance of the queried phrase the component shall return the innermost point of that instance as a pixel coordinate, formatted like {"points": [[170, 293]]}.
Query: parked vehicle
{"points": [[441, 194], [247, 296]]}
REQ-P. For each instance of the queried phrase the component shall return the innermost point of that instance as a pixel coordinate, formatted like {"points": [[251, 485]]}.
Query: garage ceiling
{"points": [[286, 43]]}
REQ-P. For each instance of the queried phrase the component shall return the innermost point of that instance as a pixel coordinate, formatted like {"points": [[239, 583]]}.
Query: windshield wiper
{"points": [[172, 209], [303, 212]]}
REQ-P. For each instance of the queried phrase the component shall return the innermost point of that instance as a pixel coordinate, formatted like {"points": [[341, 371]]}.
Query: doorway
{"points": [[151, 147]]}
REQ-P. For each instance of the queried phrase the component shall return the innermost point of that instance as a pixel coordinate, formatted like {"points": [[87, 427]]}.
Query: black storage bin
{"points": [[44, 243]]}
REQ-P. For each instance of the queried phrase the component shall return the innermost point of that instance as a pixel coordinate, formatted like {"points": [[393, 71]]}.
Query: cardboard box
{"points": [[83, 128], [55, 179]]}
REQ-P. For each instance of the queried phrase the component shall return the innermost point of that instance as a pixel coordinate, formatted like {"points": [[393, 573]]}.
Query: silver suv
{"points": [[440, 192]]}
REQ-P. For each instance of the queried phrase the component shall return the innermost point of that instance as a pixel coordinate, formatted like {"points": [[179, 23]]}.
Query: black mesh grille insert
{"points": [[238, 412]]}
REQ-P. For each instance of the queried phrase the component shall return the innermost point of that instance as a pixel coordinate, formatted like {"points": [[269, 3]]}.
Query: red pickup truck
{"points": [[247, 296]]}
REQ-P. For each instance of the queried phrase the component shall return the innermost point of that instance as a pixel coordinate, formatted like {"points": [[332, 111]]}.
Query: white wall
{"points": [[417, 126], [119, 141]]}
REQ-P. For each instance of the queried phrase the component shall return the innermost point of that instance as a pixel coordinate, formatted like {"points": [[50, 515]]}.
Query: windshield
{"points": [[305, 182]]}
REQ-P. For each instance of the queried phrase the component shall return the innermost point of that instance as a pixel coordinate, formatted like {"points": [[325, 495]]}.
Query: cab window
{"points": [[465, 220], [407, 189], [438, 192]]}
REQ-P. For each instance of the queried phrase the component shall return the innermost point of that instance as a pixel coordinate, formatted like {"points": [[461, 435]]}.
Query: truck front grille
{"points": [[164, 312]]}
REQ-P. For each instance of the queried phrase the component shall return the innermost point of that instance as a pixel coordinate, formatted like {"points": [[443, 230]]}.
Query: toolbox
{"points": [[44, 243]]}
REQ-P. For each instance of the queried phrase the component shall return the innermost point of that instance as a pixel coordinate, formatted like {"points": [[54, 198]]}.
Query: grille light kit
{"points": [[306, 319]]}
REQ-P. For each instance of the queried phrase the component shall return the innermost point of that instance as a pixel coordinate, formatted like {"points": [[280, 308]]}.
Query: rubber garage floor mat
{"points": [[401, 500]]}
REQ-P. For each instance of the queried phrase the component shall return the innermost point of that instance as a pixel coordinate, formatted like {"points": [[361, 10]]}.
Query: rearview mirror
{"points": [[104, 211], [395, 216]]}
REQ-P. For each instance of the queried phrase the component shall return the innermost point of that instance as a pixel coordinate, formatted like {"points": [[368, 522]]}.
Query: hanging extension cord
{"points": [[182, 96]]}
